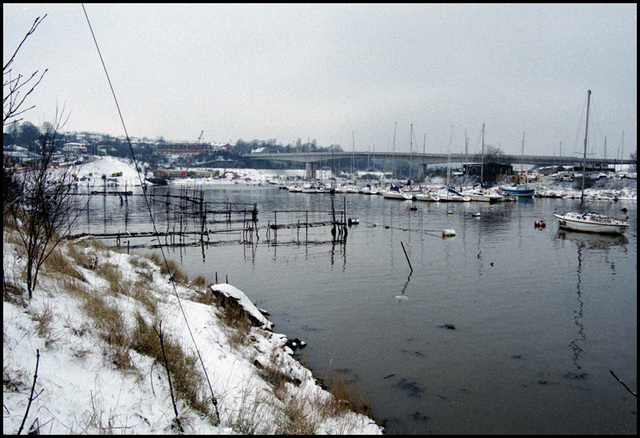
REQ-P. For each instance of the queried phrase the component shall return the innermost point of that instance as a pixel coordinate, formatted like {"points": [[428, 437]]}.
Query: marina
{"points": [[438, 313]]}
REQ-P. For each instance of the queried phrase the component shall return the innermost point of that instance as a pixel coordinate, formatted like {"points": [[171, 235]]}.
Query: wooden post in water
{"points": [[405, 254]]}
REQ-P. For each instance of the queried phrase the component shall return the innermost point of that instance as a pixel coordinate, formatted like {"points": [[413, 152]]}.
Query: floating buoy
{"points": [[449, 212], [539, 224], [448, 232]]}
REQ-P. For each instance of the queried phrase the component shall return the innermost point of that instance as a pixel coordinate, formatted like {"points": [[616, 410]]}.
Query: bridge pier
{"points": [[310, 170]]}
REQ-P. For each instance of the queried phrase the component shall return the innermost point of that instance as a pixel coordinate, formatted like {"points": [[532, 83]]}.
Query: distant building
{"points": [[183, 148], [74, 148]]}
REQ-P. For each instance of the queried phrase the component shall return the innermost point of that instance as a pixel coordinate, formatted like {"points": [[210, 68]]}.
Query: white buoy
{"points": [[448, 232]]}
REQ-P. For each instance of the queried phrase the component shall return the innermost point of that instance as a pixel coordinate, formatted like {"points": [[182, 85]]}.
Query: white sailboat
{"points": [[590, 222], [427, 195], [448, 194], [481, 194]]}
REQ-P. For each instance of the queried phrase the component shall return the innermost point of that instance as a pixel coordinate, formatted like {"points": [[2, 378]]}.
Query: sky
{"points": [[368, 77]]}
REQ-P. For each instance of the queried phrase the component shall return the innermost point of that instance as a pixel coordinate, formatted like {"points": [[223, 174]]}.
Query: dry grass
{"points": [[347, 397], [205, 297], [109, 272], [238, 325], [199, 282], [112, 329], [43, 318], [44, 321], [298, 421], [183, 367], [83, 254], [58, 263], [173, 269]]}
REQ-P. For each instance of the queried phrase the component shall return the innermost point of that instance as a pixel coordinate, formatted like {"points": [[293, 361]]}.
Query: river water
{"points": [[503, 328]]}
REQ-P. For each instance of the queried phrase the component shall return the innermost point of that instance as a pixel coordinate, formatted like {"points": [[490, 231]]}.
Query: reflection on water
{"points": [[587, 242], [578, 314]]}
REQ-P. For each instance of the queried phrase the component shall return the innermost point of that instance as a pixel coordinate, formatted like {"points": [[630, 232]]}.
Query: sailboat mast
{"points": [[482, 159], [449, 160], [410, 147], [522, 156], [584, 156], [353, 148], [393, 162], [466, 157]]}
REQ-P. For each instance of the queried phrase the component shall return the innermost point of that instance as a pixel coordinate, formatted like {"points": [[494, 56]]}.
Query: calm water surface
{"points": [[540, 316]]}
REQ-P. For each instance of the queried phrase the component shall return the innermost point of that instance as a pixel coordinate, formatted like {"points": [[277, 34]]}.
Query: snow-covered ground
{"points": [[88, 384]]}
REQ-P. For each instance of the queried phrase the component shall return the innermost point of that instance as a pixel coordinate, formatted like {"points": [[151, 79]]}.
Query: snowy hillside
{"points": [[93, 329]]}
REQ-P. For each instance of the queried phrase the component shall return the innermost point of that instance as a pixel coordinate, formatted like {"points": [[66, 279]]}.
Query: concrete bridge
{"points": [[313, 159]]}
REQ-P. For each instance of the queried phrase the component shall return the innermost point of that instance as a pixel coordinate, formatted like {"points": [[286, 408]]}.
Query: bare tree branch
{"points": [[12, 88]]}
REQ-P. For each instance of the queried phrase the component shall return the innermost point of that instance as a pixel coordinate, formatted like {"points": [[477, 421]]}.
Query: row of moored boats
{"points": [[428, 194]]}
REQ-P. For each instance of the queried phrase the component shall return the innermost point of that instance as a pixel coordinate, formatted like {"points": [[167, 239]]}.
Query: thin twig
{"points": [[166, 365], [623, 384], [31, 397]]}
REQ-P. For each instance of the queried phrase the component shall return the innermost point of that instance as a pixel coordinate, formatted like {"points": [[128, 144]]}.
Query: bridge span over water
{"points": [[313, 159]]}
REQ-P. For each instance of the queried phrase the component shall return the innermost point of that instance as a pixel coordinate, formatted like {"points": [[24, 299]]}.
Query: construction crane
{"points": [[185, 173]]}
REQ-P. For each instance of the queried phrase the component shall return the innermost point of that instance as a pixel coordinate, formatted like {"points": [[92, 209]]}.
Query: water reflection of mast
{"points": [[579, 314]]}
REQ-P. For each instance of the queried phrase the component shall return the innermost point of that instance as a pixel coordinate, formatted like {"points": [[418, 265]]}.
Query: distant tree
{"points": [[493, 163], [493, 154]]}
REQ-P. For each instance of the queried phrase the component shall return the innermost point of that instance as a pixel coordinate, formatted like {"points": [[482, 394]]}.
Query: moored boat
{"points": [[519, 190], [369, 190], [395, 193], [427, 195], [450, 195], [591, 222], [484, 195]]}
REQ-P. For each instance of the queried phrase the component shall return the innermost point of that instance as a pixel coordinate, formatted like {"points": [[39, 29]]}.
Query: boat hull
{"points": [[520, 193], [484, 197], [591, 223], [393, 194], [428, 197]]}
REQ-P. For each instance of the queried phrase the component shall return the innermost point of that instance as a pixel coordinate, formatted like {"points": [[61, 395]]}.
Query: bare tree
{"points": [[15, 90], [37, 201], [45, 210]]}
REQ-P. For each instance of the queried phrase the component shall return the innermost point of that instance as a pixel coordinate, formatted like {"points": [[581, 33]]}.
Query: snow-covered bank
{"points": [[89, 297]]}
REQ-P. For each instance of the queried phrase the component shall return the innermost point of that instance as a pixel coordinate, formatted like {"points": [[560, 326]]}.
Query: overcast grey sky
{"points": [[339, 73]]}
